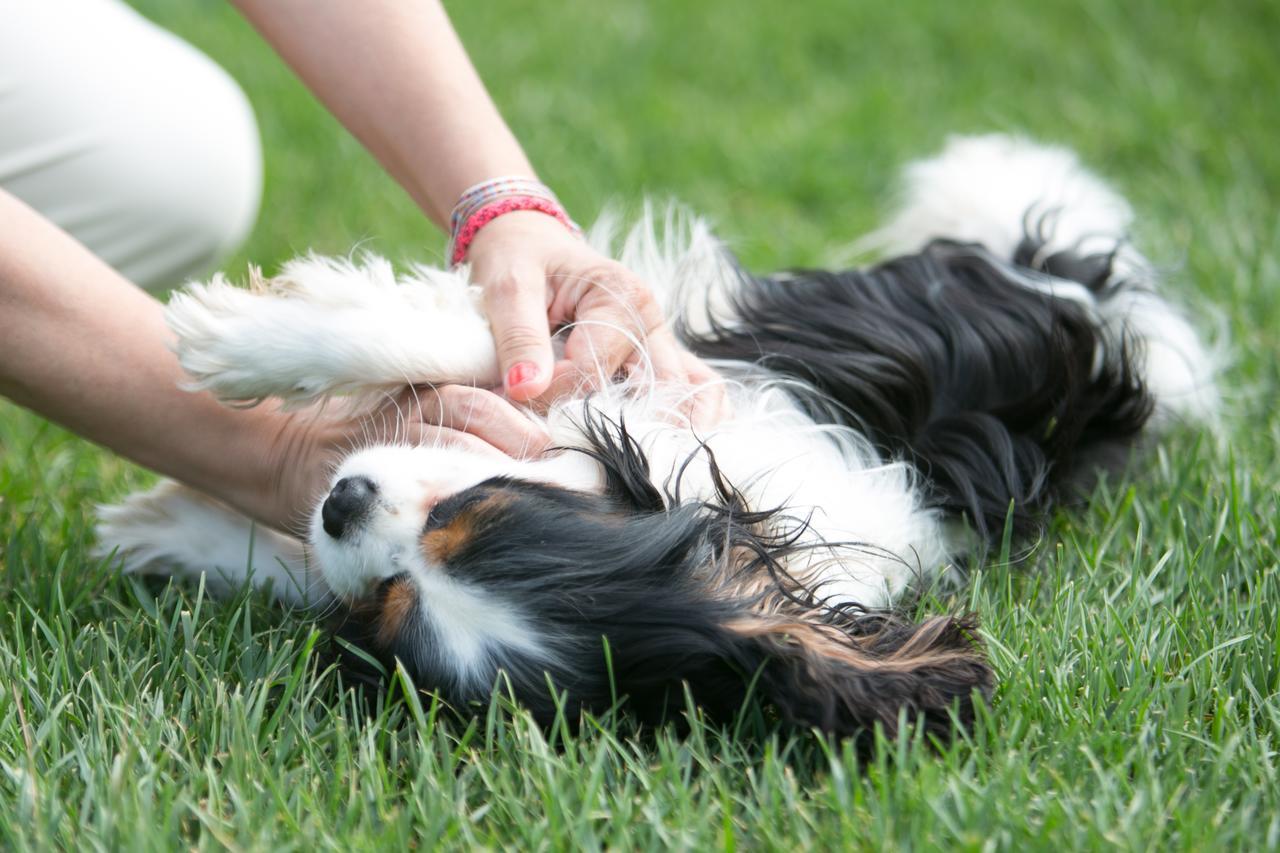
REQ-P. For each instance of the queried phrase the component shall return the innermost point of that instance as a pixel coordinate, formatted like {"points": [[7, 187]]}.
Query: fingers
{"points": [[567, 380], [705, 402], [668, 359], [618, 324], [615, 316], [516, 303], [438, 436], [710, 401], [617, 328], [479, 414]]}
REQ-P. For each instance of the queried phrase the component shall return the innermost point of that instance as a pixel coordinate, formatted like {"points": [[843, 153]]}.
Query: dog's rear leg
{"points": [[1040, 208], [332, 327]]}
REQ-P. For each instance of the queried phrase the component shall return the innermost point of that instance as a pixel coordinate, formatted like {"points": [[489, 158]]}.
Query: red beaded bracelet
{"points": [[467, 231]]}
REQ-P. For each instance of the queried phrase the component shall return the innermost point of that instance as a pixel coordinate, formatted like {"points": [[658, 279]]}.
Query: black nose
{"points": [[350, 497]]}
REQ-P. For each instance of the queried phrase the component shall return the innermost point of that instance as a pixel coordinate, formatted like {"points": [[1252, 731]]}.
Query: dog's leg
{"points": [[1038, 207], [327, 327], [331, 327], [173, 530], [993, 190]]}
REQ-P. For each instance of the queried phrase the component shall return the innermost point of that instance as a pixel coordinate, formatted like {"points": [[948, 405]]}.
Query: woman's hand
{"points": [[397, 76], [537, 276], [306, 446]]}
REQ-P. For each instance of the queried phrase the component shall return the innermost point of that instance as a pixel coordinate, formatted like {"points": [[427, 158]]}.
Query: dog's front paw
{"points": [[163, 532], [173, 531], [326, 327], [229, 342]]}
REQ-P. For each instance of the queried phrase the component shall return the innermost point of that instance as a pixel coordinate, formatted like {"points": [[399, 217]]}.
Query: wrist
{"points": [[266, 484], [489, 201]]}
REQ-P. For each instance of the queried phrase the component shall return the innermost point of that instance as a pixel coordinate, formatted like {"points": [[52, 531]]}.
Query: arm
{"points": [[83, 347], [395, 73]]}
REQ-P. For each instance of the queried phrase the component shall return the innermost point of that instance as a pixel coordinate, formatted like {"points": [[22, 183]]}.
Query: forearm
{"points": [[83, 347], [395, 73]]}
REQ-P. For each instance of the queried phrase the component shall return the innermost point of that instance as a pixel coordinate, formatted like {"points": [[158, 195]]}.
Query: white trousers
{"points": [[125, 136]]}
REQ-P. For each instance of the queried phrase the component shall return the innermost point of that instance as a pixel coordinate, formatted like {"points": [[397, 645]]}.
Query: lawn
{"points": [[1136, 641]]}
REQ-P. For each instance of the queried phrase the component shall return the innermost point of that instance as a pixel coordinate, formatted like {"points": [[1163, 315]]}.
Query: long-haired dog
{"points": [[887, 422]]}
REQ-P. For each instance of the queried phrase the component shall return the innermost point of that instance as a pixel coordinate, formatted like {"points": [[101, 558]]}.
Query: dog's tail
{"points": [[1039, 208]]}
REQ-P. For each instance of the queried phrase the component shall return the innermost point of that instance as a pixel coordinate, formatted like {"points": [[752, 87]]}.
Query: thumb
{"points": [[517, 307]]}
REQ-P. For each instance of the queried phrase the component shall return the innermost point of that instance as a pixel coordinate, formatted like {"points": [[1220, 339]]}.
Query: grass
{"points": [[1136, 642]]}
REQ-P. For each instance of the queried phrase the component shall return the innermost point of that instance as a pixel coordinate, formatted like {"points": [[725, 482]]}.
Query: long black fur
{"points": [[948, 359]]}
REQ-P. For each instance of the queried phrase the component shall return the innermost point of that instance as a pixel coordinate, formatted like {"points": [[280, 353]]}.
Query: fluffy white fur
{"points": [[326, 326], [330, 327]]}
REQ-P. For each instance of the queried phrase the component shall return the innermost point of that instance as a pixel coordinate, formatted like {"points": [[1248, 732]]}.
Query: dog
{"points": [[887, 424]]}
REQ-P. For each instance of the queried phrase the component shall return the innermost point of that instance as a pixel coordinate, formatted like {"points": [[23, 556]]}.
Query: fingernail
{"points": [[521, 374]]}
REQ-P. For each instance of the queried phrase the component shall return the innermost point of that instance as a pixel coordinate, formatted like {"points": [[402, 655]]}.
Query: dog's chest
{"points": [[862, 516]]}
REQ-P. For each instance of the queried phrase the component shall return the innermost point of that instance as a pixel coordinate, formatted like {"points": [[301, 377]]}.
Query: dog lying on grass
{"points": [[886, 422]]}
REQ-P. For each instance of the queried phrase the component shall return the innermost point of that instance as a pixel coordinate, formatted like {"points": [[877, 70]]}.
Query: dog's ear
{"points": [[845, 680]]}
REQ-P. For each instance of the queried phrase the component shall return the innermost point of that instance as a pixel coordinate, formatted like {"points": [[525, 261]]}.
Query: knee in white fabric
{"points": [[189, 189], [127, 137]]}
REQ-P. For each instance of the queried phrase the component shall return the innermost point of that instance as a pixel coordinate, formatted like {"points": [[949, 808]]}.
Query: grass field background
{"points": [[1136, 642]]}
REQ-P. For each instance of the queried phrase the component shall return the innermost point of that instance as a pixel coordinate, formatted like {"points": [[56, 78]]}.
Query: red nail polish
{"points": [[521, 374]]}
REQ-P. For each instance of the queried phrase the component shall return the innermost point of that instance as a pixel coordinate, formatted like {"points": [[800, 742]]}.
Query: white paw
{"points": [[173, 531], [991, 189], [329, 327]]}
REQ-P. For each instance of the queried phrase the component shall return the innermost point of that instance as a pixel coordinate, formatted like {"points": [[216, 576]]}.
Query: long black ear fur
{"points": [[812, 673], [931, 673]]}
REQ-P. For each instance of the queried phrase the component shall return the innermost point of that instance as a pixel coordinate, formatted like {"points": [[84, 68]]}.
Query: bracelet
{"points": [[478, 195], [472, 212], [472, 224]]}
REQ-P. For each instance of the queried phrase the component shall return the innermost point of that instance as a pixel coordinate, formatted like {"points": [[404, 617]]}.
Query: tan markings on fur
{"points": [[925, 636], [744, 579], [271, 286], [443, 543], [816, 639], [396, 607], [259, 284], [830, 643]]}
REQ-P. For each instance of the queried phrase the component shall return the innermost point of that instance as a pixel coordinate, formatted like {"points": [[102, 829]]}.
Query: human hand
{"points": [[307, 445], [536, 276]]}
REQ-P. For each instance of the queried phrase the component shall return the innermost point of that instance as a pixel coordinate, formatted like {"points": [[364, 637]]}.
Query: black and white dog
{"points": [[886, 422]]}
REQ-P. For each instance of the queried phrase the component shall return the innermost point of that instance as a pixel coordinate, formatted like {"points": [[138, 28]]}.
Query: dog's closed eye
{"points": [[445, 512]]}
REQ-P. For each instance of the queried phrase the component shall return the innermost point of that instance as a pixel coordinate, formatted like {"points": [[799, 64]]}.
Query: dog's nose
{"points": [[350, 497]]}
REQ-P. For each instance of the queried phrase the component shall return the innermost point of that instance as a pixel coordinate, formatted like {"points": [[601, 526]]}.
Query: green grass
{"points": [[1136, 643]]}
